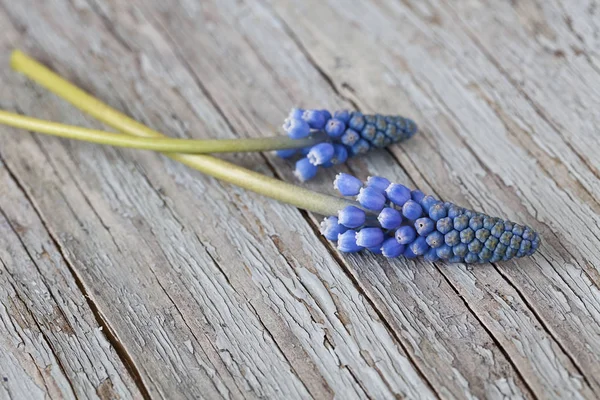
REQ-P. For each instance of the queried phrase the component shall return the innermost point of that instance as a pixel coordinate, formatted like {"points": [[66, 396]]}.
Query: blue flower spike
{"points": [[412, 224], [351, 133]]}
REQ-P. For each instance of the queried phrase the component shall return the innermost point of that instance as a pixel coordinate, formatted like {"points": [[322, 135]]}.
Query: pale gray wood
{"points": [[51, 343], [201, 308], [473, 154], [201, 305]]}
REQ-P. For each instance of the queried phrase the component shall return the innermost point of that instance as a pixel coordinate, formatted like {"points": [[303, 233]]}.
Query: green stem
{"points": [[162, 144], [220, 169]]}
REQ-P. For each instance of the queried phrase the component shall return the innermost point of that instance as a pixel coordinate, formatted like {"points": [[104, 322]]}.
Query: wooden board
{"points": [[126, 275]]}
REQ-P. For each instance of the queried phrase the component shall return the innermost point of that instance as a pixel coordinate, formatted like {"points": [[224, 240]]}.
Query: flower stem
{"points": [[215, 167], [162, 144]]}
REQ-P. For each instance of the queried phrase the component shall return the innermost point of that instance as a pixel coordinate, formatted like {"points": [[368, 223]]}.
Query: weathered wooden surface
{"points": [[125, 275]]}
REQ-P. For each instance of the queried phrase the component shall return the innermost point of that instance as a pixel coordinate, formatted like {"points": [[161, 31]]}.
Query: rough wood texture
{"points": [[125, 275]]}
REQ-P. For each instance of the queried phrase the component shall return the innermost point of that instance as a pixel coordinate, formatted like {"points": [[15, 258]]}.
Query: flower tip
{"points": [[371, 198], [346, 184], [352, 217], [305, 170], [369, 237], [297, 128], [321, 153], [347, 242], [378, 182], [331, 228]]}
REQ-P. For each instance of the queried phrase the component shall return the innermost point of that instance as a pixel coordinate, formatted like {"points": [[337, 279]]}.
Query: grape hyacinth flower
{"points": [[386, 218], [347, 134], [395, 221]]}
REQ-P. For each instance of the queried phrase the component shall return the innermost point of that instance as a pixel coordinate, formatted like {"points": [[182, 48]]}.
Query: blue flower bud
{"points": [[371, 199], [452, 238], [475, 246], [482, 234], [305, 170], [347, 242], [489, 222], [331, 228], [461, 222], [378, 182], [424, 226], [529, 234], [405, 234], [498, 229], [518, 230], [412, 210], [510, 253], [342, 115], [380, 123], [350, 138], [369, 237], [389, 218], [408, 253], [476, 222], [427, 202], [361, 147], [471, 258], [485, 254], [286, 153], [391, 248], [417, 196], [339, 157], [368, 132], [316, 119], [419, 246], [467, 235], [357, 121], [460, 250], [444, 252], [352, 217], [437, 211], [347, 184], [297, 129], [431, 255], [444, 225], [335, 128], [435, 239], [375, 250], [454, 211], [398, 194], [380, 140], [321, 153], [411, 128], [296, 113]]}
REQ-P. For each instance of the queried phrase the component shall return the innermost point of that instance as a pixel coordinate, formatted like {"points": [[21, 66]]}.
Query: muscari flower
{"points": [[396, 221], [348, 134]]}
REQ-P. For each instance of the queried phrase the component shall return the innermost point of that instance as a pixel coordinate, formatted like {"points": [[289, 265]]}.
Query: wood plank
{"points": [[212, 312], [218, 66], [389, 47], [51, 343]]}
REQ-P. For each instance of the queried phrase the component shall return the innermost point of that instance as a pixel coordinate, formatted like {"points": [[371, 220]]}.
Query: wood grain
{"points": [[204, 290]]}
